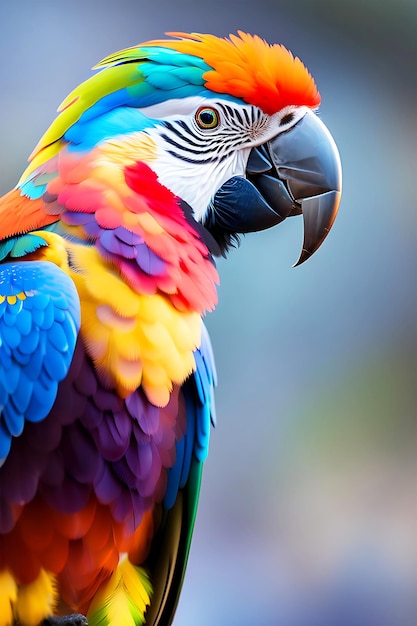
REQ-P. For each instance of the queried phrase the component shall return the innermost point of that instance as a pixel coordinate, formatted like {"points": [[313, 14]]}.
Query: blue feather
{"points": [[37, 341], [14, 419], [34, 362], [57, 338], [89, 131], [198, 392], [24, 322], [5, 442], [41, 401], [55, 364], [21, 358], [174, 475], [29, 343], [10, 377], [12, 337], [192, 410], [22, 394], [47, 305]]}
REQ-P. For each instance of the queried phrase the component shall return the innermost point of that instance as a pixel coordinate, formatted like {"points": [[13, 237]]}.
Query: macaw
{"points": [[154, 166]]}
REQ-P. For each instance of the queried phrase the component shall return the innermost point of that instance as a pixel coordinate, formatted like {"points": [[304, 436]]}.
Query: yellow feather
{"points": [[122, 601], [37, 600], [55, 251], [133, 339], [128, 151], [46, 153], [8, 596], [97, 282]]}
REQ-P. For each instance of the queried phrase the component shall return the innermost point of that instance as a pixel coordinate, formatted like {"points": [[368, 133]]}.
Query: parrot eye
{"points": [[207, 118]]}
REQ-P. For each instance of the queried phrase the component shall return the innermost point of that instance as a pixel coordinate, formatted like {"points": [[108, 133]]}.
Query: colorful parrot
{"points": [[154, 166]]}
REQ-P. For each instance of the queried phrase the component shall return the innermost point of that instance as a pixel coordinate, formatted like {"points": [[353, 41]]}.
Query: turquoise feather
{"points": [[20, 246]]}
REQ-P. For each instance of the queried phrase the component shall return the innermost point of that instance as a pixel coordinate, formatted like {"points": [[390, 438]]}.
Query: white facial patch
{"points": [[195, 161]]}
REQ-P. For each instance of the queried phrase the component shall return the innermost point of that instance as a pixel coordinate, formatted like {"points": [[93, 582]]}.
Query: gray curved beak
{"points": [[307, 159]]}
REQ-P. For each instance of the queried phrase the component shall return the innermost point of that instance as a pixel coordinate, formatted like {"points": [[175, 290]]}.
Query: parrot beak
{"points": [[298, 171], [308, 159], [305, 163]]}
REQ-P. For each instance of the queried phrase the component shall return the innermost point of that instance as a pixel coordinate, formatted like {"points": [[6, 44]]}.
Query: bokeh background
{"points": [[308, 507]]}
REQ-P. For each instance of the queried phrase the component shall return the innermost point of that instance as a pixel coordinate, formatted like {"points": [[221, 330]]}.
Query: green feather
{"points": [[170, 549], [85, 96]]}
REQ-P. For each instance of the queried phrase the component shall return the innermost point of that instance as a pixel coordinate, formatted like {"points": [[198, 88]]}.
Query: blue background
{"points": [[308, 506]]}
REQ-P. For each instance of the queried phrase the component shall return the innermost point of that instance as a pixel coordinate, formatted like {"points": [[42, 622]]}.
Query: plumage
{"points": [[154, 166], [234, 69]]}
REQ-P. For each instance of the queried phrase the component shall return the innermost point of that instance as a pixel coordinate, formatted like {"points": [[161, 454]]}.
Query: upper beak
{"points": [[298, 171]]}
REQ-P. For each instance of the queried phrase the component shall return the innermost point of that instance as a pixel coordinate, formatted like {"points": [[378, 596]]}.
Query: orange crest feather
{"points": [[247, 67]]}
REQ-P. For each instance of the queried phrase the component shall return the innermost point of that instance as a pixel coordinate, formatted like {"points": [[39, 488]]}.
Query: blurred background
{"points": [[308, 507]]}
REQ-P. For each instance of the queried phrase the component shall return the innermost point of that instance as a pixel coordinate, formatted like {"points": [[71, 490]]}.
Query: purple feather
{"points": [[54, 472], [125, 235], [80, 456], [106, 486], [144, 413], [67, 497], [124, 474], [129, 509], [7, 519], [92, 417], [116, 243], [148, 261], [111, 243], [113, 435], [87, 383], [92, 440], [132, 459], [150, 469], [107, 400], [45, 441]]}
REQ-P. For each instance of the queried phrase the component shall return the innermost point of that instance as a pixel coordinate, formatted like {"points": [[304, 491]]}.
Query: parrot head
{"points": [[228, 125]]}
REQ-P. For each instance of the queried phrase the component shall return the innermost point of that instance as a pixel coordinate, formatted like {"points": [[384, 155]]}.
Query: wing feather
{"points": [[169, 552], [39, 322]]}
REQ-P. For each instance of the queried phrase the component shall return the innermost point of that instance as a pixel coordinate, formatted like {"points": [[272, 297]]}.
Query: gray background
{"points": [[307, 510]]}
